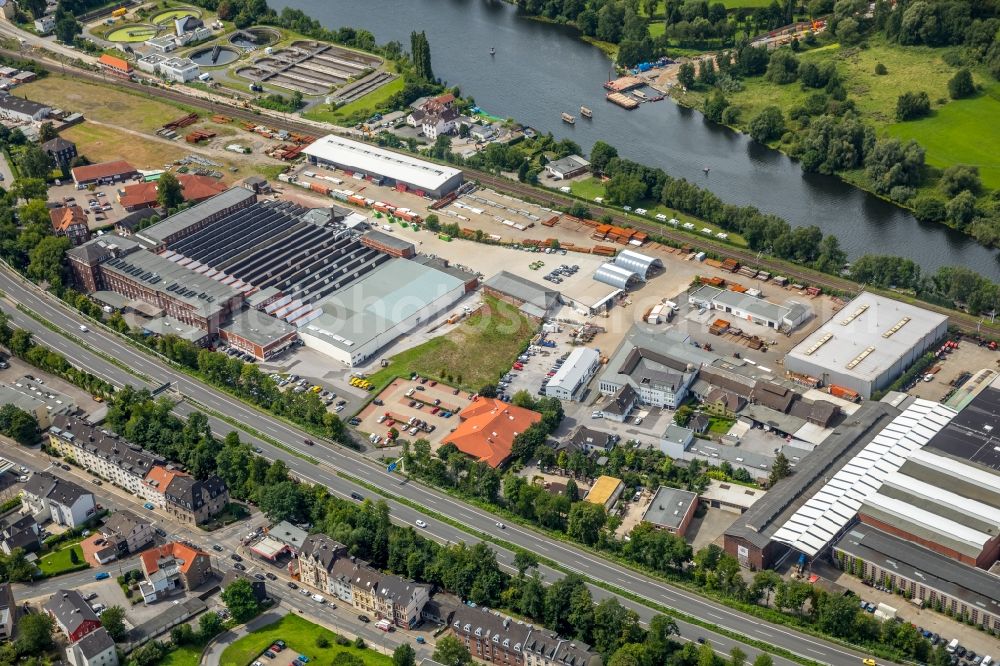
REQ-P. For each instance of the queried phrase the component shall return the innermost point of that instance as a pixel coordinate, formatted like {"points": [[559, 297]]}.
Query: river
{"points": [[541, 70]]}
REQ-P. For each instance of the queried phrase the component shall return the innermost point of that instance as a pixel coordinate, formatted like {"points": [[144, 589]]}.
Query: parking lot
{"points": [[101, 205], [405, 399]]}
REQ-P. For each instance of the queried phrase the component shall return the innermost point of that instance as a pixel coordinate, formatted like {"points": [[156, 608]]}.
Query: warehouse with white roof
{"points": [[868, 344], [579, 368], [383, 166]]}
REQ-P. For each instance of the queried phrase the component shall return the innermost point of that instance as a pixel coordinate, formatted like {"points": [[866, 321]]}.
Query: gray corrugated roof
{"points": [[522, 289], [195, 214]]}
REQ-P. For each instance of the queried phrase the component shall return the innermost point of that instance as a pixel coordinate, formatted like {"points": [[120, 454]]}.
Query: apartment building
{"points": [[63, 502], [195, 501]]}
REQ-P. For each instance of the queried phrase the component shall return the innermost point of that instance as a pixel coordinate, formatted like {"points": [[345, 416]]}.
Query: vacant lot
{"points": [[301, 637], [473, 355], [961, 132], [102, 143], [102, 103]]}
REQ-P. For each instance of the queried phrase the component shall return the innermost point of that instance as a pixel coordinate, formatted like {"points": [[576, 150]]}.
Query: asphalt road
{"points": [[335, 459]]}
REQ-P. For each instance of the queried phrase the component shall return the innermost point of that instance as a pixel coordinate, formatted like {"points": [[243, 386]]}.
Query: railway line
{"points": [[966, 323]]}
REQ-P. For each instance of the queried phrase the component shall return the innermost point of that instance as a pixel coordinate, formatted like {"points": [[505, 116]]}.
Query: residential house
{"points": [[45, 24], [22, 532], [488, 428], [71, 222], [127, 533], [676, 440], [195, 501], [170, 567], [72, 615], [94, 649], [155, 484], [103, 452], [435, 124], [47, 497], [723, 403], [588, 440], [495, 639], [773, 396], [60, 150], [699, 423], [326, 566], [8, 611], [620, 404]]}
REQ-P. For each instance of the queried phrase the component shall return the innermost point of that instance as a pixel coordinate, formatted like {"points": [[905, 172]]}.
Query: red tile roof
{"points": [[115, 63], [194, 188], [178, 551], [65, 217], [102, 170], [488, 429], [160, 477]]}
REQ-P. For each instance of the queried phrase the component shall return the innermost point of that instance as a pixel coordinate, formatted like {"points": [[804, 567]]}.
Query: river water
{"points": [[541, 70]]}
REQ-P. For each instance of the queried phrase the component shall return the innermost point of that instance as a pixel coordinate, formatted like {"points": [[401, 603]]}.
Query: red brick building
{"points": [[109, 64], [105, 172], [194, 189], [258, 334], [388, 244]]}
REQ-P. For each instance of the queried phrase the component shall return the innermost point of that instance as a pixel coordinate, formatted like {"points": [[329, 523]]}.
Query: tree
{"points": [[600, 155], [169, 193], [209, 625], [67, 28], [73, 557], [686, 75], [737, 657], [912, 105], [420, 52], [240, 600], [928, 208], [783, 67], [34, 634], [767, 125], [524, 560], [34, 162], [715, 106], [450, 651], [19, 425], [36, 7], [659, 645], [614, 626], [113, 620], [763, 659], [45, 260], [47, 132], [404, 655], [837, 614], [961, 85], [960, 177], [780, 468], [625, 189], [585, 522], [961, 209]]}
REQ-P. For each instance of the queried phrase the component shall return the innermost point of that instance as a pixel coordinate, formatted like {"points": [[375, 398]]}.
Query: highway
{"points": [[334, 460]]}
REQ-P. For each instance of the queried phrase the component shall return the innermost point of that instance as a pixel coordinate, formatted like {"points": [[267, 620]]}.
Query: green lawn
{"points": [[366, 106], [963, 131], [60, 561], [300, 635], [474, 354], [185, 656]]}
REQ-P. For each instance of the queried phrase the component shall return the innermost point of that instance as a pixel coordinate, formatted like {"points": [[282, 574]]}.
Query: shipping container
{"points": [[844, 393]]}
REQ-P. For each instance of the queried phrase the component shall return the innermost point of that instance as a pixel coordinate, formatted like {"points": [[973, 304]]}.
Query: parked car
{"points": [[216, 547], [239, 567], [104, 575], [364, 618], [271, 576], [235, 558], [149, 505], [293, 585]]}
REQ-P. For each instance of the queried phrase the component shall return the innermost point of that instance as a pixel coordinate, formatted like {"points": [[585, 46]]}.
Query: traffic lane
{"points": [[589, 565]]}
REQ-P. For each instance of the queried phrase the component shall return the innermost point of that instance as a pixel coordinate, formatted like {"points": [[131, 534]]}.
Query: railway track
{"points": [[967, 324]]}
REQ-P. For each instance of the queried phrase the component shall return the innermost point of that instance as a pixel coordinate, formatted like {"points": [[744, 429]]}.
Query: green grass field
{"points": [[478, 351], [366, 106], [300, 635], [61, 561], [963, 131], [184, 656]]}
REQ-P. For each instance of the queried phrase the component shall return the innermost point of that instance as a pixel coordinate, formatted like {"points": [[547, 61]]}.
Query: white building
{"points": [[579, 368], [102, 452], [436, 124], [868, 344], [17, 108], [163, 44], [65, 503], [179, 70], [45, 25], [658, 368], [746, 308], [384, 166], [389, 301], [94, 649]]}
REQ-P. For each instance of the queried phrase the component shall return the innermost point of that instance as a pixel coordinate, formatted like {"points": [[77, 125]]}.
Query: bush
{"points": [[881, 69], [912, 105], [322, 642], [961, 84], [929, 209], [731, 116], [767, 125]]}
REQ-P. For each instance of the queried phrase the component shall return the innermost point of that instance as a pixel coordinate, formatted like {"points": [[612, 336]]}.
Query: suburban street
{"points": [[336, 460]]}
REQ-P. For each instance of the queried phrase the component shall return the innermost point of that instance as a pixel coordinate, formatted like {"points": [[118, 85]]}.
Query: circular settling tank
{"points": [[134, 32], [214, 56], [253, 38], [172, 14]]}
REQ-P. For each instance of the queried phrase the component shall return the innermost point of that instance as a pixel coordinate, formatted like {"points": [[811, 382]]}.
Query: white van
{"points": [[952, 646], [987, 660], [317, 598]]}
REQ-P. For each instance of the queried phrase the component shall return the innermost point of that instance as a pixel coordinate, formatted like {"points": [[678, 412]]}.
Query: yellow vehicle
{"points": [[121, 11], [316, 389], [868, 662]]}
